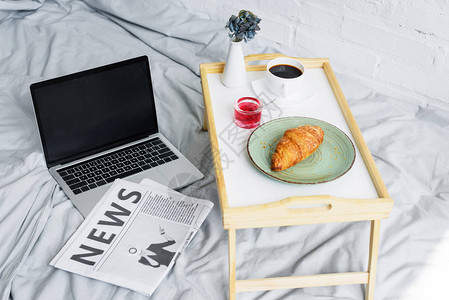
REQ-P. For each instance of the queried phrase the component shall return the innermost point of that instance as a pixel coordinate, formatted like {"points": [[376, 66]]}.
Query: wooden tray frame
{"points": [[288, 212]]}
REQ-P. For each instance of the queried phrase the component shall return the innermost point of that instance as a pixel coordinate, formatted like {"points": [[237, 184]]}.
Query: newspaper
{"points": [[134, 235]]}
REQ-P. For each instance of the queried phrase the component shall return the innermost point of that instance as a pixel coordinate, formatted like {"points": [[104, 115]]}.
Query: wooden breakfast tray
{"points": [[249, 199]]}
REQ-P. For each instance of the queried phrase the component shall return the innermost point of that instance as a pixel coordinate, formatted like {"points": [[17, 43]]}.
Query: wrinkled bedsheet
{"points": [[45, 39]]}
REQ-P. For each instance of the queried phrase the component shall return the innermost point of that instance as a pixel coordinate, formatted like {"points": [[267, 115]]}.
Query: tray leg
{"points": [[231, 244], [372, 263]]}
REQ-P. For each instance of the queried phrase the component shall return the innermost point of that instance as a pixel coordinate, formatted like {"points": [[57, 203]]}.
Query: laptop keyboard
{"points": [[122, 163]]}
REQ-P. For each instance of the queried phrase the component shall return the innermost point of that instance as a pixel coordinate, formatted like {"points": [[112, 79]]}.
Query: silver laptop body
{"points": [[100, 122]]}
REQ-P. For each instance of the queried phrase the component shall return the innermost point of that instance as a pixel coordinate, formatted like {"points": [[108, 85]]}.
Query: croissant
{"points": [[296, 145]]}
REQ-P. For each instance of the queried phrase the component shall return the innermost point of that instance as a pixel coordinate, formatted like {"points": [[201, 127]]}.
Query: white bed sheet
{"points": [[409, 142]]}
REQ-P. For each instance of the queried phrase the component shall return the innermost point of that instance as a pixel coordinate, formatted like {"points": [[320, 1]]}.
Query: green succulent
{"points": [[243, 26]]}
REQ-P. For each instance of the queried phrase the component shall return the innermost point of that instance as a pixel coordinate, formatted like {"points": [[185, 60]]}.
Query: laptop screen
{"points": [[90, 111]]}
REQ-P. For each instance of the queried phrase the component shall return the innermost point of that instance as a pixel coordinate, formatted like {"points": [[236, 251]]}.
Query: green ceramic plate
{"points": [[332, 159]]}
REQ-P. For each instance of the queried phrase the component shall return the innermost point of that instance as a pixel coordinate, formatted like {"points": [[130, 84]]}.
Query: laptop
{"points": [[101, 124]]}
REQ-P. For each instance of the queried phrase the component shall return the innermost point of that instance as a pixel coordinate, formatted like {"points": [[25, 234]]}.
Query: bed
{"points": [[44, 39]]}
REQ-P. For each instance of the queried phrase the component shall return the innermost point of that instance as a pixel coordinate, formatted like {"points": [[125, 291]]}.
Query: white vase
{"points": [[234, 74]]}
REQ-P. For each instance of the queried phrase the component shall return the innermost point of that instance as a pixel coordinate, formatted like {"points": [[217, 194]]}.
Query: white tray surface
{"points": [[245, 185]]}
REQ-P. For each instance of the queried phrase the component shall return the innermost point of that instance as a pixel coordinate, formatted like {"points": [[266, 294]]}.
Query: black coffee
{"points": [[285, 71]]}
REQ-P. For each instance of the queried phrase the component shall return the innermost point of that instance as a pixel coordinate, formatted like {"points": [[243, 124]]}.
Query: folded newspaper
{"points": [[134, 235]]}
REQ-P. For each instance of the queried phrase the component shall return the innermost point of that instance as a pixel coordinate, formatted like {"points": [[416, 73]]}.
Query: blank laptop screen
{"points": [[93, 110]]}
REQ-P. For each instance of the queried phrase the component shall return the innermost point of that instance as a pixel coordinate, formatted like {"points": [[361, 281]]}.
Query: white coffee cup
{"points": [[286, 78]]}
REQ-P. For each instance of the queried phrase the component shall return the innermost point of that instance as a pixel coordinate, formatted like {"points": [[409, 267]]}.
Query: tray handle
{"points": [[299, 210], [301, 204], [308, 62], [264, 56]]}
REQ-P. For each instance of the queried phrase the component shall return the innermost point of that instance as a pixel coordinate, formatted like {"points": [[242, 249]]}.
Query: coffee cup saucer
{"points": [[263, 92]]}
